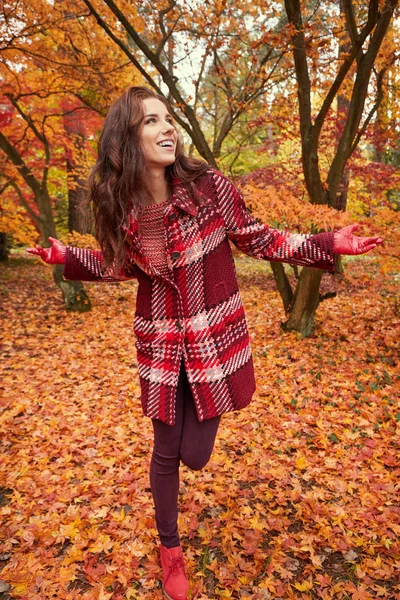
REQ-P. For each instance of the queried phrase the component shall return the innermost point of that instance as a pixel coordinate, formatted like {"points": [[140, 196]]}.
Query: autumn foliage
{"points": [[300, 499]]}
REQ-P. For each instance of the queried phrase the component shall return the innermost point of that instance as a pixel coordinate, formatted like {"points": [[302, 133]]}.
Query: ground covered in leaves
{"points": [[299, 500]]}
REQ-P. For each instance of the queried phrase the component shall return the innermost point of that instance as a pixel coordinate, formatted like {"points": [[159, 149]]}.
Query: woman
{"points": [[167, 219]]}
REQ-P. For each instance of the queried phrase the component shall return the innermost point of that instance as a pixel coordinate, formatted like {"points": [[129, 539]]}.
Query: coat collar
{"points": [[182, 199]]}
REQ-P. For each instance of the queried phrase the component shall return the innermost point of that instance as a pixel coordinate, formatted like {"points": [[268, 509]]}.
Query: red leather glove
{"points": [[55, 255], [344, 242]]}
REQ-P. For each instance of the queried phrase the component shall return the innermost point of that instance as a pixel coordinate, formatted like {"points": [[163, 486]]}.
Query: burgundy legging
{"points": [[189, 441]]}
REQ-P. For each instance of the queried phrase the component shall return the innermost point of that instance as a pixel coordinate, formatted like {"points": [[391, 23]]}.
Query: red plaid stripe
{"points": [[196, 313]]}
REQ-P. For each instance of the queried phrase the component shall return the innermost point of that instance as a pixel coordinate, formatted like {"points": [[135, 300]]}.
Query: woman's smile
{"points": [[167, 144]]}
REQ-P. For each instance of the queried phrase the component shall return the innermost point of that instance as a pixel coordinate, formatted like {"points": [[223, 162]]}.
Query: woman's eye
{"points": [[150, 120]]}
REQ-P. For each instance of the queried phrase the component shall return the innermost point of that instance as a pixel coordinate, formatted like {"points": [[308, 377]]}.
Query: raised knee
{"points": [[195, 463]]}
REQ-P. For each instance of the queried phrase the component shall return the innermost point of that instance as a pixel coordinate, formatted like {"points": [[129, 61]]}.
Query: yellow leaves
{"points": [[306, 586], [101, 513], [359, 572], [14, 411], [223, 593], [67, 574], [103, 595], [15, 221], [301, 463], [81, 240], [279, 208], [71, 530], [118, 515], [213, 565], [283, 508], [103, 543], [387, 542], [20, 589], [256, 523]]}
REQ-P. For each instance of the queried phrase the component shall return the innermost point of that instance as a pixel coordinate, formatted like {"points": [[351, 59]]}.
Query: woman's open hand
{"points": [[55, 255], [344, 242]]}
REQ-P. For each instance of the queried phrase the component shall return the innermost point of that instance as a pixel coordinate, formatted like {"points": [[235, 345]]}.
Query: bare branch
{"points": [[5, 186], [351, 23], [194, 129], [344, 69], [19, 163], [121, 45], [26, 118], [40, 135], [293, 11], [379, 97], [201, 73], [24, 203], [166, 34], [357, 102]]}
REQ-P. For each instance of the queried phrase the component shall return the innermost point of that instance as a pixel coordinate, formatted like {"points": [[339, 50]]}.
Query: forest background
{"points": [[299, 103]]}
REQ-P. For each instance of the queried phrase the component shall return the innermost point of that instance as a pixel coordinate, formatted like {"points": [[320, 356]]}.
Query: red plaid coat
{"points": [[196, 313]]}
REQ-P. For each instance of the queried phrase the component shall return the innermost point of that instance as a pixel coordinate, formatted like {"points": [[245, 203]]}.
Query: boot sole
{"points": [[166, 595]]}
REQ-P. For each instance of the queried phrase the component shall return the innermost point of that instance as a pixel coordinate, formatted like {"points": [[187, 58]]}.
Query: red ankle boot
{"points": [[175, 583]]}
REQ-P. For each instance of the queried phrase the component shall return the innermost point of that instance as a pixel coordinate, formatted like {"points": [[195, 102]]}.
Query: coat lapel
{"points": [[180, 199], [136, 248]]}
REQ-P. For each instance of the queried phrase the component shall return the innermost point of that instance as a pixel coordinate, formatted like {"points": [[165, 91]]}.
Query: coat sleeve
{"points": [[261, 241], [87, 265]]}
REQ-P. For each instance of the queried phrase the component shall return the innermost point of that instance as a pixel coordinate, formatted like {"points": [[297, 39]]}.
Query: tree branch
{"points": [[202, 68], [41, 136], [283, 284], [5, 186], [357, 102], [166, 34], [193, 129], [24, 203], [26, 118], [351, 23], [121, 45], [344, 69], [378, 100], [293, 11], [19, 163]]}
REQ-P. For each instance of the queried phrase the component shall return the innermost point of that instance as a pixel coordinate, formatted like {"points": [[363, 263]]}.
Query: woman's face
{"points": [[158, 136]]}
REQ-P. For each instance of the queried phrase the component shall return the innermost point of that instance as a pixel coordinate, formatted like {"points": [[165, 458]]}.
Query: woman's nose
{"points": [[168, 128]]}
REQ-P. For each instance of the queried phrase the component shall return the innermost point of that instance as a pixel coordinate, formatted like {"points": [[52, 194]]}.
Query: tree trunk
{"points": [[283, 284], [75, 297], [339, 202], [334, 192], [3, 247], [306, 300], [79, 211], [73, 292]]}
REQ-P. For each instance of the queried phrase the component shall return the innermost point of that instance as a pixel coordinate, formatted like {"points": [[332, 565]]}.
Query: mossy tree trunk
{"points": [[362, 45], [74, 295], [305, 303], [3, 247]]}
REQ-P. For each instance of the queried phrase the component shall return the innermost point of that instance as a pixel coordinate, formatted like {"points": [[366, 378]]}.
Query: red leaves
{"points": [[299, 497]]}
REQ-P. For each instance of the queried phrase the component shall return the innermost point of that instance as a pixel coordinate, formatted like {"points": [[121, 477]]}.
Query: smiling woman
{"points": [[168, 220], [133, 170]]}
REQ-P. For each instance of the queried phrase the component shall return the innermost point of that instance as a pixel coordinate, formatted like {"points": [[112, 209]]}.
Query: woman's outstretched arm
{"points": [[261, 241], [81, 264]]}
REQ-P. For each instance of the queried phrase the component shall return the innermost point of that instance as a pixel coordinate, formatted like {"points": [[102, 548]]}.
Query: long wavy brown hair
{"points": [[117, 183]]}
